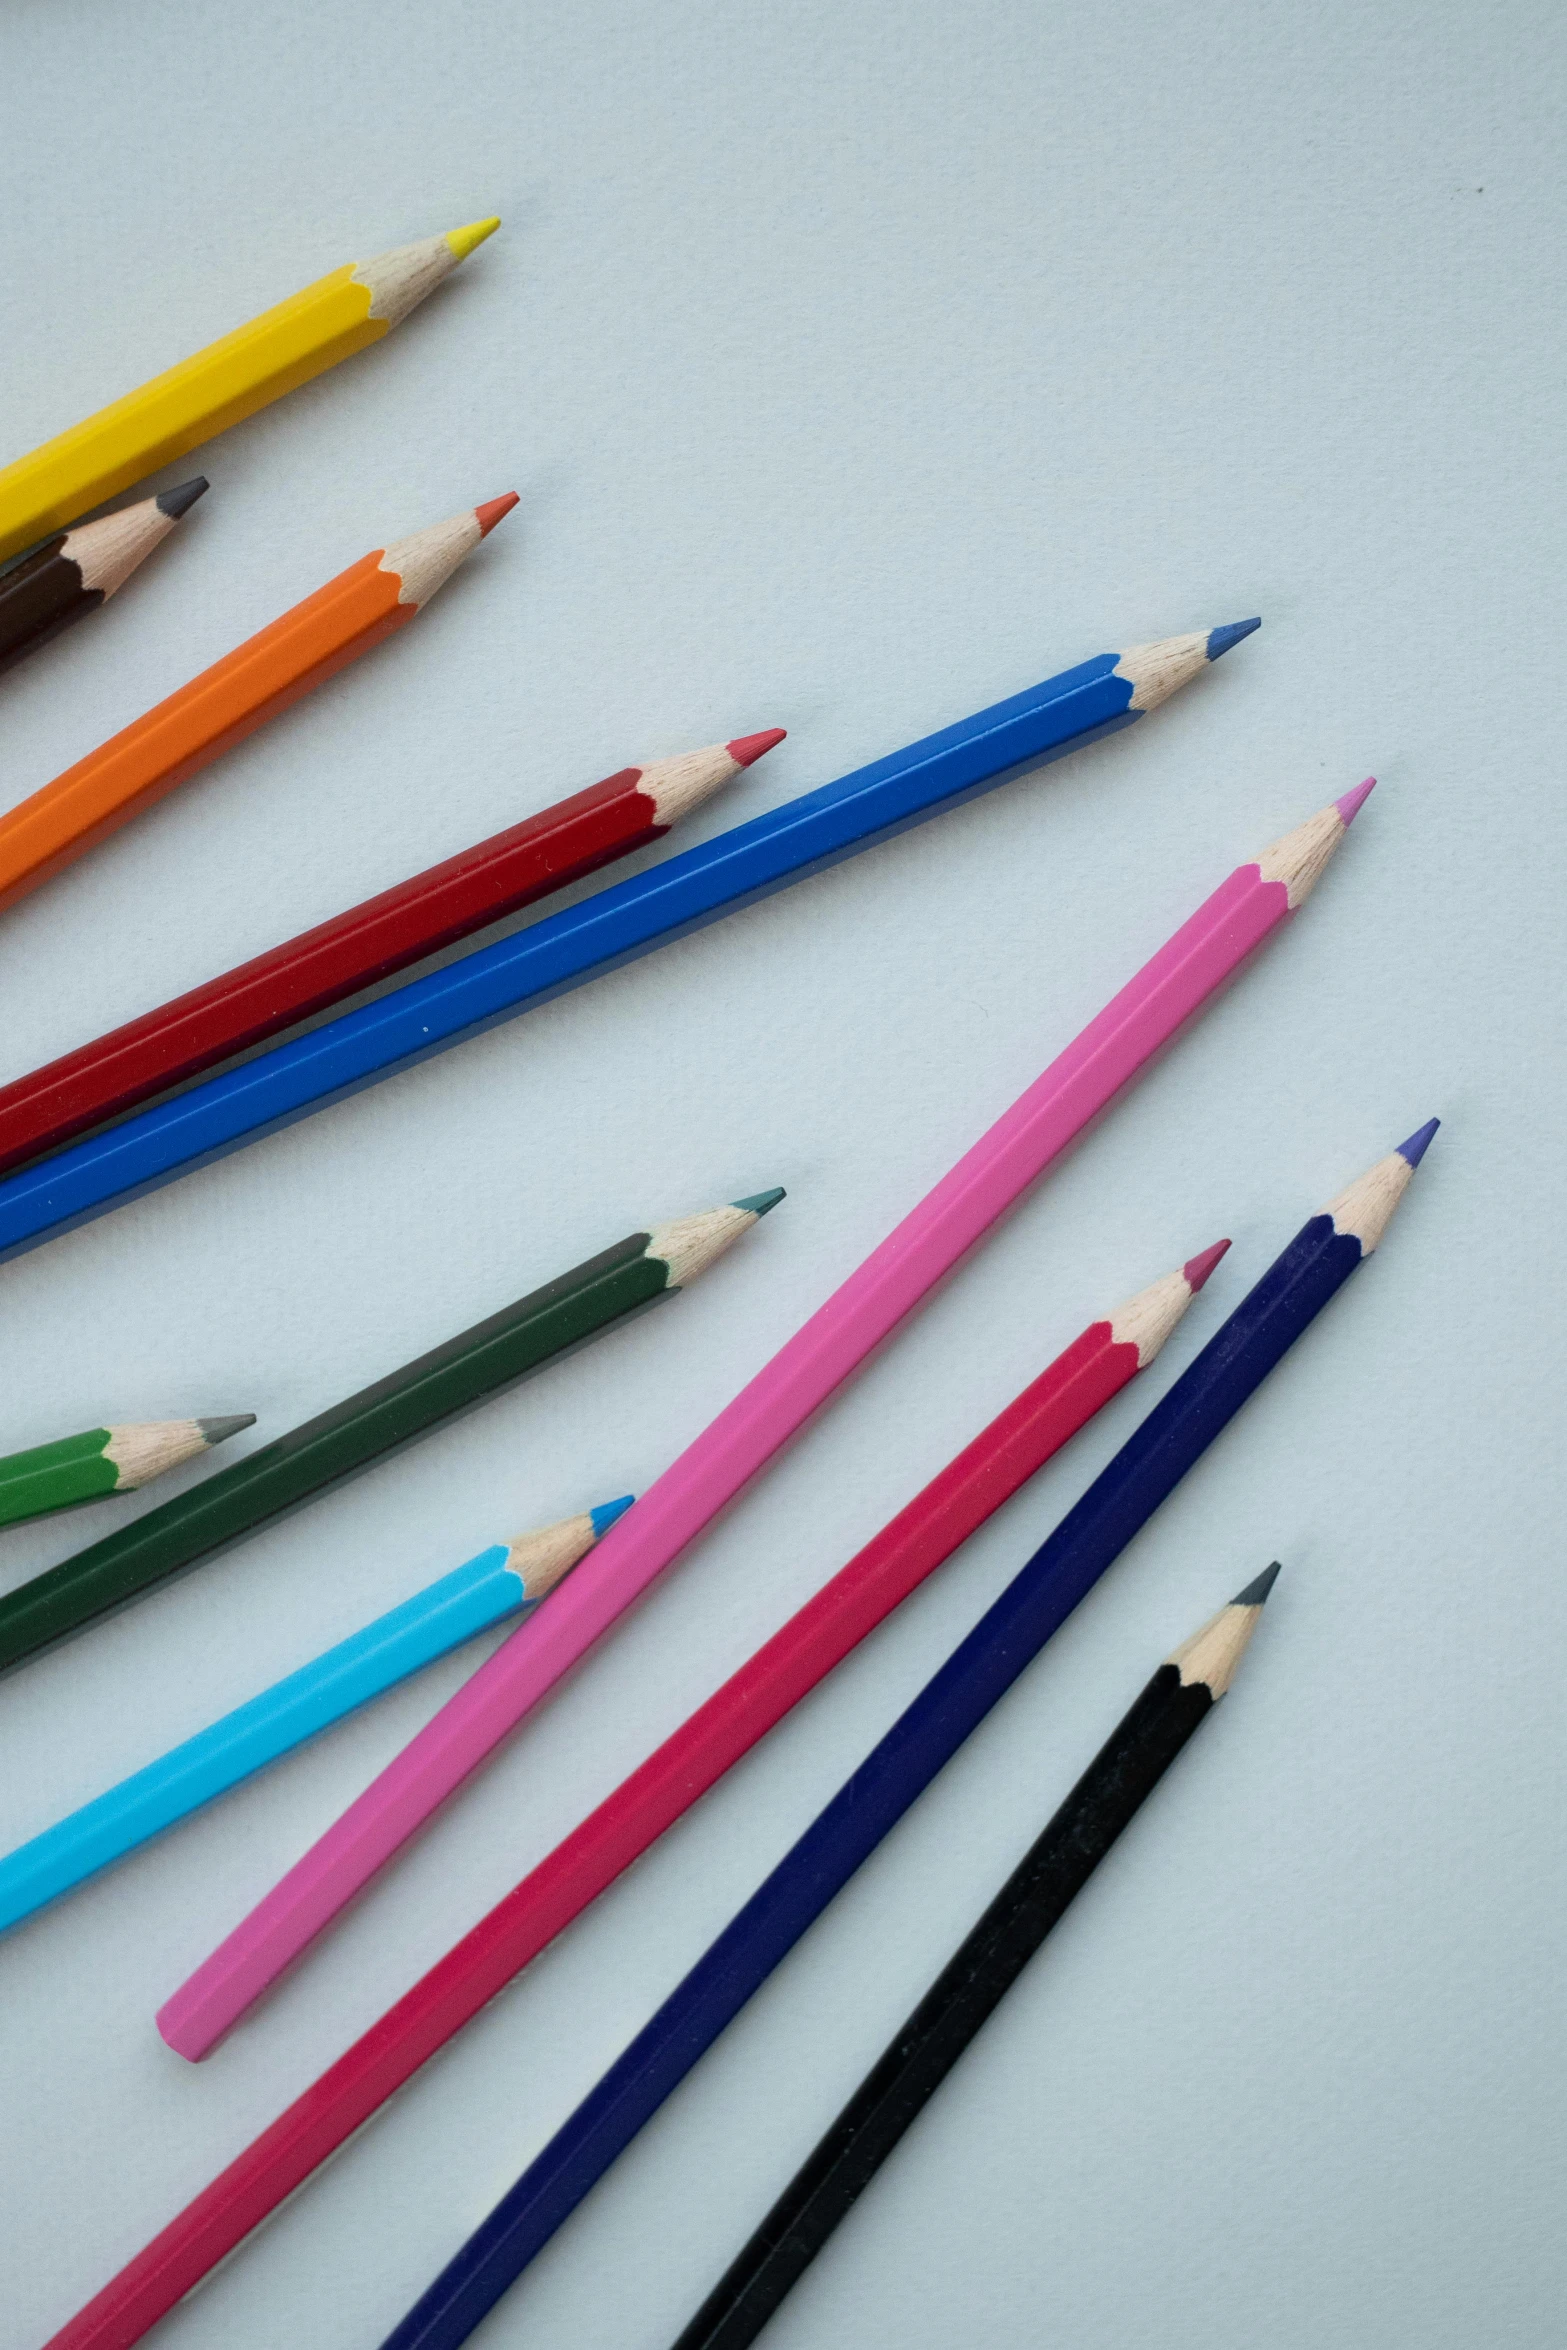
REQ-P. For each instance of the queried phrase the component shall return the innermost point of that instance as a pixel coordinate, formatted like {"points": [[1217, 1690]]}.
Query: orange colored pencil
{"points": [[137, 767]]}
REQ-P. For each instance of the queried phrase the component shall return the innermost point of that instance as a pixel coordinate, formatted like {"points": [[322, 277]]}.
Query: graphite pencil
{"points": [[74, 572], [683, 894], [1174, 1435], [167, 745], [867, 1307], [104, 1460], [1033, 1427], [353, 950], [1121, 1777], [508, 1579], [208, 392], [638, 1272]]}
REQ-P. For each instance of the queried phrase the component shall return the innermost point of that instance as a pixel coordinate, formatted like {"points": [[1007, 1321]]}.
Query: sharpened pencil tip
{"points": [[214, 1431], [463, 240], [607, 1512], [1198, 1268], [1350, 805], [1221, 639], [180, 500], [492, 511], [1256, 1593], [760, 1202], [746, 749], [1414, 1150]]}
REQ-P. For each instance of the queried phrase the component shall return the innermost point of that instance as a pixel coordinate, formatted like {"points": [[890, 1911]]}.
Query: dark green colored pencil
{"points": [[624, 1280]]}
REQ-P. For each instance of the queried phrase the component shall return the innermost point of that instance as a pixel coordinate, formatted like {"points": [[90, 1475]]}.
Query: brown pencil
{"points": [[73, 573]]}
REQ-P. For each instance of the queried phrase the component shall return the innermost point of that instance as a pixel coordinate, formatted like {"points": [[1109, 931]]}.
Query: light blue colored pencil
{"points": [[505, 1580]]}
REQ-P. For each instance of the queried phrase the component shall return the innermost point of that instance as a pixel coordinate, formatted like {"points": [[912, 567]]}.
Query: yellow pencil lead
{"points": [[463, 240]]}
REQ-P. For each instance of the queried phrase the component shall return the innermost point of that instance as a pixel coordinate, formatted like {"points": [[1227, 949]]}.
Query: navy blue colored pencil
{"points": [[685, 893], [1174, 1435]]}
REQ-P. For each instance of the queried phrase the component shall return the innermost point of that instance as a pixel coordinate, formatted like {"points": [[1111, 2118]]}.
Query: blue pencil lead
{"points": [[1221, 639], [607, 1512], [1414, 1150]]}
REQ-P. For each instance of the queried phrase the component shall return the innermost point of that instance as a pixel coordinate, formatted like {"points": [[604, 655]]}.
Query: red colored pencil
{"points": [[1076, 1385], [353, 950]]}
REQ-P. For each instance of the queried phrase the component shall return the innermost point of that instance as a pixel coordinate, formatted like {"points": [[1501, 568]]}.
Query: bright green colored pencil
{"points": [[104, 1460]]}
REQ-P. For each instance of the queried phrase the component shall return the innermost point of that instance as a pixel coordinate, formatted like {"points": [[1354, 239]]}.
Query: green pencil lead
{"points": [[760, 1202]]}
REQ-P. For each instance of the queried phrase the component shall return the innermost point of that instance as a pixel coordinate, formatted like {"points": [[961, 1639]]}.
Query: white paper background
{"points": [[855, 368]]}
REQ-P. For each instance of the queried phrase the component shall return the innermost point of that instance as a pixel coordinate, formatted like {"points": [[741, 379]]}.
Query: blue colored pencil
{"points": [[668, 901], [507, 1579], [1174, 1435]]}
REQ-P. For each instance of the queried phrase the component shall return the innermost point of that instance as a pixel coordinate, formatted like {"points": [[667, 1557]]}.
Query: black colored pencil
{"points": [[73, 573], [1117, 1782]]}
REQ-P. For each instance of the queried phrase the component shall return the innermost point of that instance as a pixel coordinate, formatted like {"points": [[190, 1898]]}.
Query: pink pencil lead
{"points": [[1198, 1268], [1350, 805]]}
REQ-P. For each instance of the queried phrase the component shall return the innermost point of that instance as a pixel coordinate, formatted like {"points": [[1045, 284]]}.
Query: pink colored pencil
{"points": [[1111, 1050]]}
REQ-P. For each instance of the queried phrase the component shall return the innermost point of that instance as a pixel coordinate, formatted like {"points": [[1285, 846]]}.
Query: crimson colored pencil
{"points": [[818, 1636], [1091, 1370], [355, 949]]}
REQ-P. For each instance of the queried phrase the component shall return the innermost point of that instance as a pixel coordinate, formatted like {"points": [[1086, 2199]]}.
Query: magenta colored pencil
{"points": [[1111, 1050]]}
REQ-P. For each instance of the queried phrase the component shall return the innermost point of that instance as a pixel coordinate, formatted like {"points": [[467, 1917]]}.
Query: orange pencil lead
{"points": [[491, 512]]}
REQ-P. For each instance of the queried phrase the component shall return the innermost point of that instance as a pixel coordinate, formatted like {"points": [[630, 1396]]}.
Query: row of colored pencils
{"points": [[1120, 1501], [163, 1094], [50, 1194], [1216, 940], [73, 566]]}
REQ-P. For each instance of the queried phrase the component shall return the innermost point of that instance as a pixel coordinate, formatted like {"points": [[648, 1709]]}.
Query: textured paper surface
{"points": [[856, 368]]}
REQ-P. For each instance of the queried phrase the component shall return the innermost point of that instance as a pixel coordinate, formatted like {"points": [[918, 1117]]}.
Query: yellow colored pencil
{"points": [[205, 394]]}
